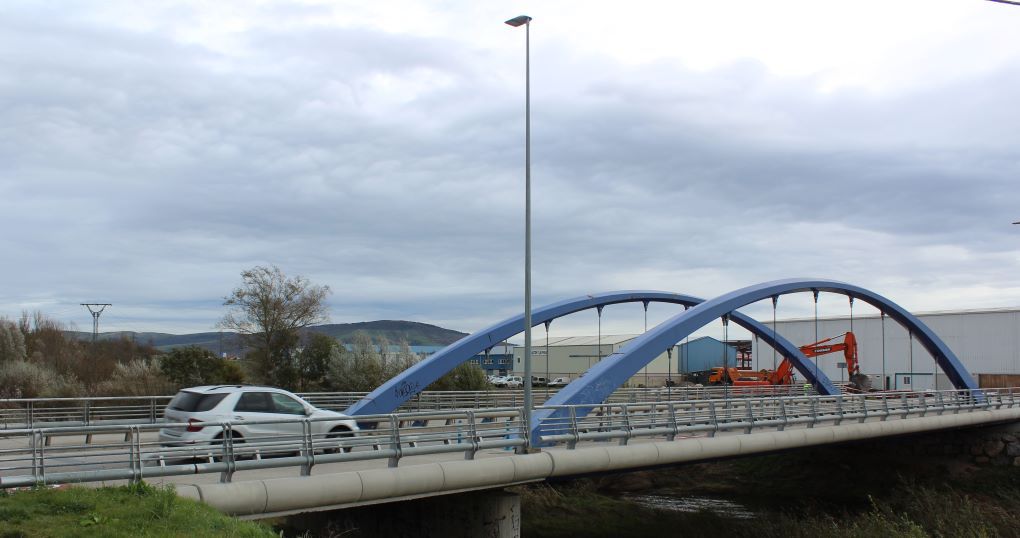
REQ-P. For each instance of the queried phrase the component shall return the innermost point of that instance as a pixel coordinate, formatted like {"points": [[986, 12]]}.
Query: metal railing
{"points": [[133, 451], [55, 412]]}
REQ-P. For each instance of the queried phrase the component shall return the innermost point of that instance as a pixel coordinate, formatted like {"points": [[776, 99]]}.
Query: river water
{"points": [[722, 507]]}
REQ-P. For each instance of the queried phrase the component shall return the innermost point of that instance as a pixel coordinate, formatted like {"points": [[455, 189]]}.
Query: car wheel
{"points": [[218, 441], [339, 432]]}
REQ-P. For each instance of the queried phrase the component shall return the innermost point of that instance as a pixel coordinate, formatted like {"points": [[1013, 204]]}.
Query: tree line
{"points": [[39, 357]]}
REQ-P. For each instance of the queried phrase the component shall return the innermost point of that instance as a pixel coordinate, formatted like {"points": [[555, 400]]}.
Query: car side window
{"points": [[255, 402], [287, 405]]}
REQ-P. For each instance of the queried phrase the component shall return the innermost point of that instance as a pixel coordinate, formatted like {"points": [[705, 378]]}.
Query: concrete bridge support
{"points": [[492, 513]]}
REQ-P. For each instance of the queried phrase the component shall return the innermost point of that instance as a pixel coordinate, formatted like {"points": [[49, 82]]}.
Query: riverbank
{"points": [[852, 491]]}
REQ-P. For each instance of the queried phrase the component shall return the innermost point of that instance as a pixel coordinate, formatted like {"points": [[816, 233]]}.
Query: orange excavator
{"points": [[783, 375], [858, 381]]}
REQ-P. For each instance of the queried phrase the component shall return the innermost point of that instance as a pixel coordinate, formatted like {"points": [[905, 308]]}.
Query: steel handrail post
{"points": [[574, 430], [472, 435], [394, 441], [227, 452], [525, 428], [672, 421], [749, 403], [864, 408], [782, 413], [942, 402], [714, 418], [923, 403], [904, 405], [137, 470], [307, 447], [38, 463], [839, 409], [626, 424]]}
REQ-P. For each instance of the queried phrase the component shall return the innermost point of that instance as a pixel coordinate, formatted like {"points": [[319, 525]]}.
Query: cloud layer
{"points": [[152, 152]]}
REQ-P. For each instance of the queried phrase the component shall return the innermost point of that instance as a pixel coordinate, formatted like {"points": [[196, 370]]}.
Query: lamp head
{"points": [[519, 21]]}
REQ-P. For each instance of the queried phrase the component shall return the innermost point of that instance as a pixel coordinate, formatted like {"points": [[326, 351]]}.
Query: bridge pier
{"points": [[491, 513]]}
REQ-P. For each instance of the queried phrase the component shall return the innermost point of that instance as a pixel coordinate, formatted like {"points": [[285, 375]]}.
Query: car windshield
{"points": [[194, 401]]}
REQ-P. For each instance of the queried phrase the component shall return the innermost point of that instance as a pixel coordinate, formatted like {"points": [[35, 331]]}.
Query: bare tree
{"points": [[269, 309]]}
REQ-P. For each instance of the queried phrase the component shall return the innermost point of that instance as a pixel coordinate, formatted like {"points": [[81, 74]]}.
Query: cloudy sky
{"points": [[151, 151]]}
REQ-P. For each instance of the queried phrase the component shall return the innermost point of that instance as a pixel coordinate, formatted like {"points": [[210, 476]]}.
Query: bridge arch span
{"points": [[611, 372], [391, 394]]}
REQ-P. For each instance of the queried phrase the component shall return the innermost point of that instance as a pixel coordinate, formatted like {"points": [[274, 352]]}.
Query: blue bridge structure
{"points": [[614, 370]]}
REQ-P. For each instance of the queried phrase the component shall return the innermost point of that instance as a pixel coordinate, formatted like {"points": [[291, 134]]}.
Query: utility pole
{"points": [[95, 316]]}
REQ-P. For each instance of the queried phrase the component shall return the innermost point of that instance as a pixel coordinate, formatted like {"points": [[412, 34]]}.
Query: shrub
{"points": [[138, 378], [193, 365], [22, 379], [12, 342]]}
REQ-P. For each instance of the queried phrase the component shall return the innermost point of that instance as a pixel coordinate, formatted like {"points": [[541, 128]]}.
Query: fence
{"points": [[108, 452], [55, 412]]}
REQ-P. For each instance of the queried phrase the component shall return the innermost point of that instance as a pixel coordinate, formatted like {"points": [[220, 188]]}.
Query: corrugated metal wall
{"points": [[704, 353], [986, 342]]}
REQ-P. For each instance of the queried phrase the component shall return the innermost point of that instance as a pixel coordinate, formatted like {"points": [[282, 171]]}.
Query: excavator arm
{"points": [[849, 348]]}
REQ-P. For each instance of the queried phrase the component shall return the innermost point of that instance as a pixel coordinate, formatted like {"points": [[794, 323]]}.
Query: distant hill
{"points": [[416, 334]]}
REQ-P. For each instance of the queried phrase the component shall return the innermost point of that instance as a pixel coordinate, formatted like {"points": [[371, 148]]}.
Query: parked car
{"points": [[538, 381], [559, 382], [498, 381], [200, 408], [514, 381]]}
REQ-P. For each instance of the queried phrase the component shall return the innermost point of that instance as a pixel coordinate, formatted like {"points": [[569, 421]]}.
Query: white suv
{"points": [[203, 408]]}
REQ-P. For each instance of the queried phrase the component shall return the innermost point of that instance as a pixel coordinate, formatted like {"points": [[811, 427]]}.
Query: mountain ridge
{"points": [[414, 332]]}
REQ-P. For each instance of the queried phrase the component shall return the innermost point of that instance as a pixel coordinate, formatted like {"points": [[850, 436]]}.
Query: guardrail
{"points": [[54, 412], [133, 452]]}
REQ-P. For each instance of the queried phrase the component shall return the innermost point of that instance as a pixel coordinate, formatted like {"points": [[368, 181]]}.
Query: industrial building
{"points": [[987, 342], [573, 355]]}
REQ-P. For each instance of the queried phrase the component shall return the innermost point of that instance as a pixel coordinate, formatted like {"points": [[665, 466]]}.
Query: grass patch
{"points": [[138, 510]]}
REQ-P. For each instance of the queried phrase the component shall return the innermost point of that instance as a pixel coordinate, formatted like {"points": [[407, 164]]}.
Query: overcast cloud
{"points": [[151, 151]]}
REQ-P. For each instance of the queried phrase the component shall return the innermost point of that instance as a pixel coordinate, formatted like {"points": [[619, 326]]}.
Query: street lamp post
{"points": [[524, 20]]}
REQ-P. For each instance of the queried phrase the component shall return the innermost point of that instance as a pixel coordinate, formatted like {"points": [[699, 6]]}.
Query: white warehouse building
{"points": [[987, 342], [570, 356]]}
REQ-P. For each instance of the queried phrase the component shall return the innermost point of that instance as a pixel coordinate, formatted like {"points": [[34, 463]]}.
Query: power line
{"points": [[95, 316]]}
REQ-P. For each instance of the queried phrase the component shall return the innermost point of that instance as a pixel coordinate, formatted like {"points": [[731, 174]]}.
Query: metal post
{"points": [[885, 380], [526, 22], [818, 389], [645, 303], [775, 303], [547, 359]]}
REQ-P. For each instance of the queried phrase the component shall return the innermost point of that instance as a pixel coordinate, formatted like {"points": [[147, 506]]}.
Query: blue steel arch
{"points": [[611, 372], [410, 382]]}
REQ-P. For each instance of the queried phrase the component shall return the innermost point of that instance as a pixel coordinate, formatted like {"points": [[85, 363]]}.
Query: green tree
{"points": [[269, 309], [193, 365], [359, 370], [315, 360], [466, 376]]}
